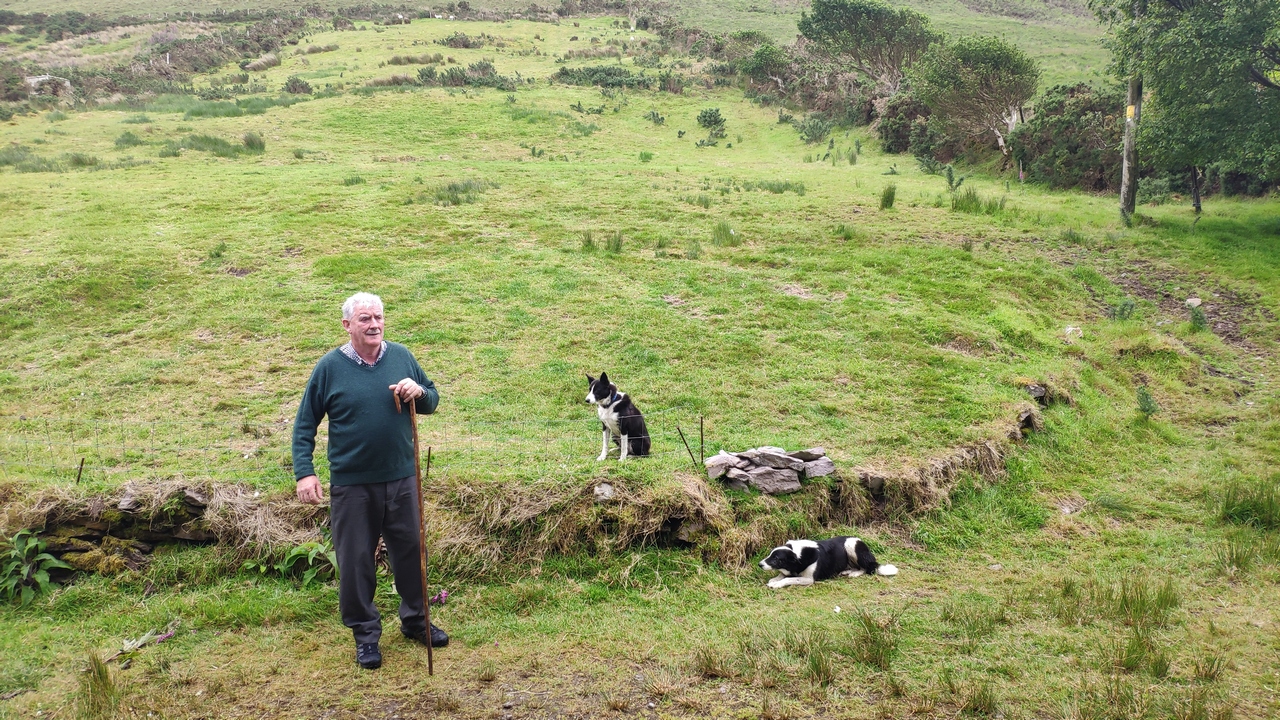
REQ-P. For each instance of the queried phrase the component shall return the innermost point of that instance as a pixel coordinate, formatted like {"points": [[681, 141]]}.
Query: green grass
{"points": [[162, 319]]}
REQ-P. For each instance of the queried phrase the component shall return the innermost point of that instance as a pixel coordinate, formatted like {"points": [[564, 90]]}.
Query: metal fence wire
{"points": [[65, 449]]}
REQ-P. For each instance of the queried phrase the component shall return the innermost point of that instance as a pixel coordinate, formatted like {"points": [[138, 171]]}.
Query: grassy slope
{"points": [[1063, 36], [119, 288]]}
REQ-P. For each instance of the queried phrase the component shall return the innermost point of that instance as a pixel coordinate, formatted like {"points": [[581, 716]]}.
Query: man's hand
{"points": [[407, 390], [309, 490]]}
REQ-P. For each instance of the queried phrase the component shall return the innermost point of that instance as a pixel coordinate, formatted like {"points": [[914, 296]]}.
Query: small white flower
{"points": [[837, 609]]}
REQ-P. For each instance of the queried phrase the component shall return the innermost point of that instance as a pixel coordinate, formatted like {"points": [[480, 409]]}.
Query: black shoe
{"points": [[368, 656], [438, 637]]}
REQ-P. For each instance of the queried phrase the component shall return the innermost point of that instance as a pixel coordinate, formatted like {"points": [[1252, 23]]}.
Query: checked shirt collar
{"points": [[350, 351]]}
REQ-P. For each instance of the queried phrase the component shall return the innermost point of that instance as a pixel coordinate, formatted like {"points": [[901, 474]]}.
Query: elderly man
{"points": [[372, 476]]}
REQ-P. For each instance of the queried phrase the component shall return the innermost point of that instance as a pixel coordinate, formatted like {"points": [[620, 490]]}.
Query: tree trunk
{"points": [[1195, 189], [1129, 172]]}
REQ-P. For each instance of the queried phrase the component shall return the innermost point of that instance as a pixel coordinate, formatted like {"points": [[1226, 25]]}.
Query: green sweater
{"points": [[369, 442]]}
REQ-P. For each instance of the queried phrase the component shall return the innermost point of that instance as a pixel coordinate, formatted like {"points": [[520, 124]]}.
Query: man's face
{"points": [[365, 327]]}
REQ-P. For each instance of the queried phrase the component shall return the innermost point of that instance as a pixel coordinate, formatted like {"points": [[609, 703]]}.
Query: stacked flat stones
{"points": [[770, 470]]}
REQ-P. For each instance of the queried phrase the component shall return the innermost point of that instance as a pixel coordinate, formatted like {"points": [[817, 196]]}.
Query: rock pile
{"points": [[770, 470]]}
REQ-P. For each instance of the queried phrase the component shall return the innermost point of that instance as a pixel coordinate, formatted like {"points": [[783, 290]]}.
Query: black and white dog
{"points": [[803, 562], [618, 417]]}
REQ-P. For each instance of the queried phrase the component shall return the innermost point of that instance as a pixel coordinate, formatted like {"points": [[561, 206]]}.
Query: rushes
{"points": [[99, 692], [1255, 504], [874, 640], [887, 196], [969, 201], [724, 236], [1134, 601]]}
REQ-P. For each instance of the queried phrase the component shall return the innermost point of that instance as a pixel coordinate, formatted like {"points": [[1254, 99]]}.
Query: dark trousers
{"points": [[358, 514]]}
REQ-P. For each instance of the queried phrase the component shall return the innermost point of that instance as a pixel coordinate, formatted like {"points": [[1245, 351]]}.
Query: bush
{"points": [[391, 81], [655, 118], [1074, 139], [463, 41], [80, 160], [263, 63], [423, 59], [254, 143], [128, 140], [1146, 404], [887, 196], [813, 129], [903, 112], [297, 86], [606, 76]]}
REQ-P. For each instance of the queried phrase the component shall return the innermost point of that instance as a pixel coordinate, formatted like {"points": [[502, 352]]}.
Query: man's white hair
{"points": [[359, 300]]}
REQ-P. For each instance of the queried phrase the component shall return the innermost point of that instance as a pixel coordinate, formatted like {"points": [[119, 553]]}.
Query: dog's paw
{"points": [[602, 457], [776, 582]]}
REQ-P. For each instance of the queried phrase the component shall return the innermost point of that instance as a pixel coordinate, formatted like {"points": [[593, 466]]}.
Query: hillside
{"points": [[1062, 34]]}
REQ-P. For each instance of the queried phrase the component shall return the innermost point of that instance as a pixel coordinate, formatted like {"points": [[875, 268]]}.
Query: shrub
{"points": [[297, 86], [1074, 139], [582, 129], [80, 160], [462, 41], [653, 116], [1122, 310], [25, 566], [391, 81], [887, 196], [254, 143], [903, 112], [1199, 322], [313, 49], [606, 76], [263, 63], [813, 129], [722, 235], [713, 121], [784, 117], [128, 140], [423, 59], [1146, 404]]}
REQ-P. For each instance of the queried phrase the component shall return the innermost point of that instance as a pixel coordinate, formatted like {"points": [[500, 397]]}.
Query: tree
{"points": [[877, 40], [768, 63], [976, 85], [1211, 69]]}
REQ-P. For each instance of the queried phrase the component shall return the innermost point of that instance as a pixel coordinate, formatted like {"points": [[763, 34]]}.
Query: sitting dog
{"points": [[618, 417], [804, 562]]}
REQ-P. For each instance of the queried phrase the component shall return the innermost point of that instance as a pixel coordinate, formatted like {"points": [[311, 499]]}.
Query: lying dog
{"points": [[804, 562], [619, 417]]}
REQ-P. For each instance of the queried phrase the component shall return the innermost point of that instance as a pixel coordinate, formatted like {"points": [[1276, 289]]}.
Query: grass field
{"points": [[166, 296]]}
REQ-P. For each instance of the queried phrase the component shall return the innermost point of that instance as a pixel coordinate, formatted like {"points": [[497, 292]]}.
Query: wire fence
{"points": [[73, 450]]}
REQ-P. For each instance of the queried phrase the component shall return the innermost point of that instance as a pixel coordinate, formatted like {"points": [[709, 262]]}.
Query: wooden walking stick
{"points": [[422, 523]]}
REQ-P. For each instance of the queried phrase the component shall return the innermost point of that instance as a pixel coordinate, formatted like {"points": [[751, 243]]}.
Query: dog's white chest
{"points": [[610, 420]]}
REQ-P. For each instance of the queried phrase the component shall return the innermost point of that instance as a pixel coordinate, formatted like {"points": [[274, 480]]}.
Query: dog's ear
{"points": [[590, 381], [604, 377]]}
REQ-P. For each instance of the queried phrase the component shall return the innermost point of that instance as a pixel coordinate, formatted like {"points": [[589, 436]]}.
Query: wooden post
{"points": [[1129, 171]]}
